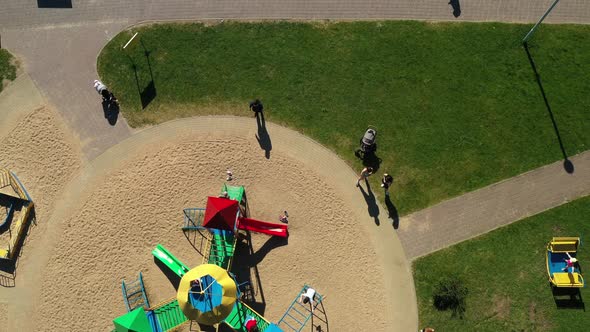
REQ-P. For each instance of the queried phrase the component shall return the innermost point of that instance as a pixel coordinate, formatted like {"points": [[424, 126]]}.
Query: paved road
{"points": [[24, 13]]}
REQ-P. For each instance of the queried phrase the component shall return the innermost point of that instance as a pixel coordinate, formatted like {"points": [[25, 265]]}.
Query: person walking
{"points": [[365, 173], [386, 182], [256, 107], [102, 90]]}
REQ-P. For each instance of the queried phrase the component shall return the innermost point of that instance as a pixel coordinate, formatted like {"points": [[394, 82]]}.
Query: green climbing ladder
{"points": [[221, 250]]}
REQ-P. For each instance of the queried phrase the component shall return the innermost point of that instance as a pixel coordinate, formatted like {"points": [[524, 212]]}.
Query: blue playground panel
{"points": [[210, 299], [273, 328], [557, 262], [153, 319]]}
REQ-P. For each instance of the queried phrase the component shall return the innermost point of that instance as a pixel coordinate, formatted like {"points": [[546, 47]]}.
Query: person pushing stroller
{"points": [[107, 96], [368, 143]]}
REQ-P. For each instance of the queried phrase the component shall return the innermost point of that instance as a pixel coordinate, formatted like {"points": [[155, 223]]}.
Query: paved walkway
{"points": [[62, 62], [24, 13], [59, 45], [483, 210]]}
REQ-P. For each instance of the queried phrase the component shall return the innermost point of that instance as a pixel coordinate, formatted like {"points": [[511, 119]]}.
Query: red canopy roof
{"points": [[220, 213]]}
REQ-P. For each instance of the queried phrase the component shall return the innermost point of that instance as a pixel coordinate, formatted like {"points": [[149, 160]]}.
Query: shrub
{"points": [[450, 294]]}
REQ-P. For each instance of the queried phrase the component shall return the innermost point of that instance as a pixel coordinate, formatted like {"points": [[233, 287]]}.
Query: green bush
{"points": [[7, 69], [450, 294]]}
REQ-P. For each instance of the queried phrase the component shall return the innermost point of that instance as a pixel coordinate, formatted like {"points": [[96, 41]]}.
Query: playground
{"points": [[111, 217], [140, 204]]}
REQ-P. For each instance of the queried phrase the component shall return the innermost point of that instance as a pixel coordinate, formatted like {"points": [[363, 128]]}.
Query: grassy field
{"points": [[457, 106], [506, 276], [7, 68]]}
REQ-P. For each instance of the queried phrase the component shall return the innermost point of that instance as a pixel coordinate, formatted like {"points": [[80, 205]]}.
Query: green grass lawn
{"points": [[7, 68], [506, 276], [456, 105]]}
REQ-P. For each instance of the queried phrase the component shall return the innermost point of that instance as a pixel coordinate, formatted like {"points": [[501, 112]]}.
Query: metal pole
{"points": [[528, 35]]}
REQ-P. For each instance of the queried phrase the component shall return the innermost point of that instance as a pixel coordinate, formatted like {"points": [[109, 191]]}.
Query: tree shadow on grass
{"points": [[567, 164], [147, 93]]}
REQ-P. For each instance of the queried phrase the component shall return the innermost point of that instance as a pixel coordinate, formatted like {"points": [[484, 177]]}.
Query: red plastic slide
{"points": [[264, 227]]}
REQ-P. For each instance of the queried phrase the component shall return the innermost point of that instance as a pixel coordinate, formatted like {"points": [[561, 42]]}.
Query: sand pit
{"points": [[129, 199], [140, 205], [44, 156]]}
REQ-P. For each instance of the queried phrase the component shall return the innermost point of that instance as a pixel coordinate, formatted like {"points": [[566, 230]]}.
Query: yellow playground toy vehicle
{"points": [[562, 265]]}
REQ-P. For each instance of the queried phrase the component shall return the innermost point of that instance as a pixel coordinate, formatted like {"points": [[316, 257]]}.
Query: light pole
{"points": [[528, 35]]}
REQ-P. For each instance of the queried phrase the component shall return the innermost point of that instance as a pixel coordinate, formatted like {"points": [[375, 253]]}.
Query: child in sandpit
{"points": [[308, 297], [284, 217]]}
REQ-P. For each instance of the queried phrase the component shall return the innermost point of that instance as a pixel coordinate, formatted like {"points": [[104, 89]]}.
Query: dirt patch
{"points": [[539, 320], [501, 307]]}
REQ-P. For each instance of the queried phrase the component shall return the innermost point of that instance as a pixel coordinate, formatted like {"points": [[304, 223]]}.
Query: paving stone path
{"points": [[483, 210]]}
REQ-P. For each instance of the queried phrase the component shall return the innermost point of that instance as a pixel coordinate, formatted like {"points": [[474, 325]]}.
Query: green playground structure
{"points": [[219, 223], [169, 260]]}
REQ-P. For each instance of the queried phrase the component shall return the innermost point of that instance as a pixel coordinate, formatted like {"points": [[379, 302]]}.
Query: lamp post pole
{"points": [[528, 35]]}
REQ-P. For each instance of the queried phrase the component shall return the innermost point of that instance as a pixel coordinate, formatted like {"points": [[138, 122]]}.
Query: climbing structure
{"points": [[19, 206], [209, 293], [299, 313], [134, 294]]}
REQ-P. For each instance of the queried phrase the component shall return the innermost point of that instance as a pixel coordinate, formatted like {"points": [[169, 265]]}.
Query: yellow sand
{"points": [[113, 213]]}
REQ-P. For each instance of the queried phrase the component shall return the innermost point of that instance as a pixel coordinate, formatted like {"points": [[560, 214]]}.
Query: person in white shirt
{"points": [[308, 297]]}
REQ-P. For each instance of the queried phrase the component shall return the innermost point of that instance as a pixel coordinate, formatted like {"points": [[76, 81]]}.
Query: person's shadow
{"points": [[262, 136], [372, 207], [456, 7], [111, 111], [392, 211]]}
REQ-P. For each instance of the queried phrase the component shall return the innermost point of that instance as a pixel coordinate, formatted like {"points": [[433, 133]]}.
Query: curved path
{"points": [[59, 45], [397, 284]]}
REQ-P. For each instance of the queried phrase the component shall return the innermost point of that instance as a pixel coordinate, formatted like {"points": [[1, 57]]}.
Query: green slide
{"points": [[170, 261]]}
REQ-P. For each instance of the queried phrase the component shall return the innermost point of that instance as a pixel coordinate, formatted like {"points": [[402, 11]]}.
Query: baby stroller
{"points": [[368, 143]]}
